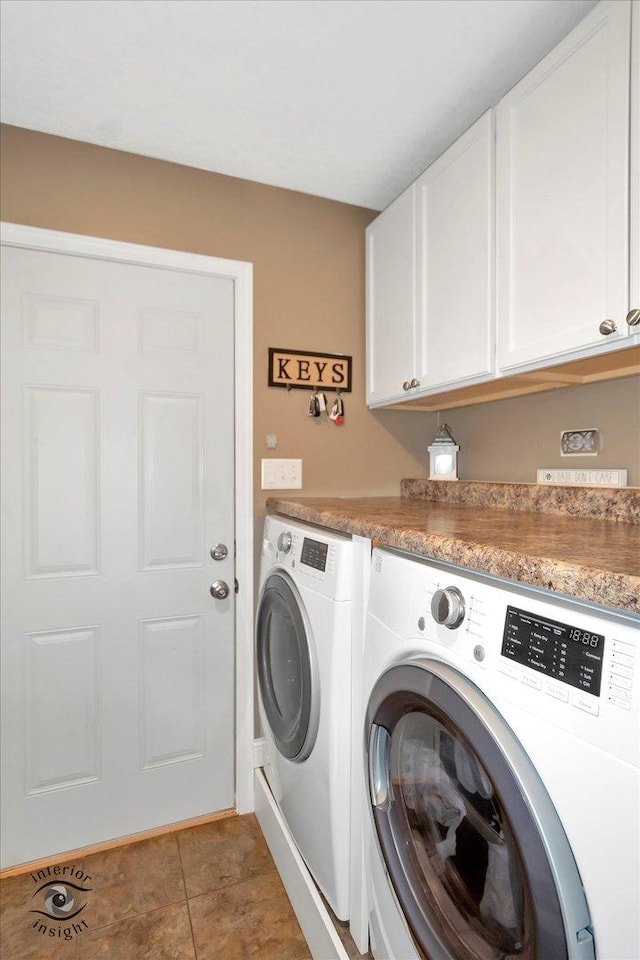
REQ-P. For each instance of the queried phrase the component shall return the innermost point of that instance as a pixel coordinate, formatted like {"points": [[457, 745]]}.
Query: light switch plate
{"points": [[583, 478], [281, 474]]}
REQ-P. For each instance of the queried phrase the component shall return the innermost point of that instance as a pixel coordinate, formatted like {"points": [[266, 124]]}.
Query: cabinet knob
{"points": [[414, 383], [633, 317], [406, 385], [607, 327]]}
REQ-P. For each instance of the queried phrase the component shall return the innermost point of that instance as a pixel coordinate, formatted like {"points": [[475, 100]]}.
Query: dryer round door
{"points": [[287, 670], [477, 857]]}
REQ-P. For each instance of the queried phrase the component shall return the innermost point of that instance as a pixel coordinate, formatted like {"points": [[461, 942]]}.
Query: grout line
{"points": [[114, 922], [135, 916], [184, 884], [228, 886]]}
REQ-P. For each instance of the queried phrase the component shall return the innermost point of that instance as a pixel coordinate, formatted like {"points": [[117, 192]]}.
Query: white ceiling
{"points": [[347, 99]]}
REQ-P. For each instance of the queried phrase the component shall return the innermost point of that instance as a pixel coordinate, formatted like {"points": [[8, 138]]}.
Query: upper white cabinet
{"points": [[392, 345], [518, 250], [455, 261], [563, 198], [430, 269]]}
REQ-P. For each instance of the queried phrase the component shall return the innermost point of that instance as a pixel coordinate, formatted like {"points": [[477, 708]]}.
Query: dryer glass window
{"points": [[286, 668], [458, 835]]}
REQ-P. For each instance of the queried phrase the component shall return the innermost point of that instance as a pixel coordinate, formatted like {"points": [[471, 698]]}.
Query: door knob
{"points": [[607, 327], [633, 317], [219, 589], [414, 383], [406, 385], [219, 552]]}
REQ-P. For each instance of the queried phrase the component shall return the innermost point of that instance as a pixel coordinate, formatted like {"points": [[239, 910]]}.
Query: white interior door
{"points": [[118, 477]]}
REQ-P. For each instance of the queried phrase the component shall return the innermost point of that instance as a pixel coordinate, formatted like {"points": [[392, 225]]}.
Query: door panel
{"points": [[118, 429], [62, 666], [60, 482], [171, 474]]}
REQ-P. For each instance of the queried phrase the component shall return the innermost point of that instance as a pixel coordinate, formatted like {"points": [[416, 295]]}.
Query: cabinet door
{"points": [[563, 197], [391, 312], [455, 254]]}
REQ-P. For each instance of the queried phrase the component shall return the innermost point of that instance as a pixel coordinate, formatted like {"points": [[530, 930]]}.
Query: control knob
{"points": [[447, 607], [284, 541]]}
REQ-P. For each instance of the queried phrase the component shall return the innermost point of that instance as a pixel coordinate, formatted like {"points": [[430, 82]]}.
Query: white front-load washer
{"points": [[502, 757], [303, 658]]}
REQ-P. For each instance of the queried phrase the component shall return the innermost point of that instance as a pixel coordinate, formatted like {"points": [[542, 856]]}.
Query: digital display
{"points": [[556, 649], [314, 554]]}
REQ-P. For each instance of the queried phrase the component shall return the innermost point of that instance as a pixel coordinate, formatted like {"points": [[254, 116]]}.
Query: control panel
{"points": [[320, 559], [567, 661], [570, 654]]}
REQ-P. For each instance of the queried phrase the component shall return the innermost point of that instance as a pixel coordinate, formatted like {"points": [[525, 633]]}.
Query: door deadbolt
{"points": [[219, 590], [219, 552]]}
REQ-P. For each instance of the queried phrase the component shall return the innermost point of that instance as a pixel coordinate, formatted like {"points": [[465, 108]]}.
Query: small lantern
{"points": [[443, 456]]}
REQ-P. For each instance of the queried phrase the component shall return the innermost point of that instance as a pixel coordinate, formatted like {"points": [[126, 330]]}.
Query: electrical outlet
{"points": [[281, 474], [579, 443]]}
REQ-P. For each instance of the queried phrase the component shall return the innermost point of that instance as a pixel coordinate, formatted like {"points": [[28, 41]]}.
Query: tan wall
{"points": [[510, 439], [308, 256]]}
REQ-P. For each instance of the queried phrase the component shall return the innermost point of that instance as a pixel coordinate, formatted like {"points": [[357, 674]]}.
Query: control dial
{"points": [[284, 541], [447, 607]]}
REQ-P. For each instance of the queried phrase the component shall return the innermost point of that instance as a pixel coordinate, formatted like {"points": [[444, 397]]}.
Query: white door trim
{"points": [[53, 241]]}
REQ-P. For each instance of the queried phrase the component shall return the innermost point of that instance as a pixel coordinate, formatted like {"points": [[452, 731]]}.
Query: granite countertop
{"points": [[581, 555]]}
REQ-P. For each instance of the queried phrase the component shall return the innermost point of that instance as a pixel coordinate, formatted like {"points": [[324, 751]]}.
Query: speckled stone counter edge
{"points": [[621, 504], [583, 582]]}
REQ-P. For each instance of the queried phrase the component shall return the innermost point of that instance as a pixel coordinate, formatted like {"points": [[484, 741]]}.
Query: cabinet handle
{"points": [[406, 385], [607, 327], [633, 317], [414, 383]]}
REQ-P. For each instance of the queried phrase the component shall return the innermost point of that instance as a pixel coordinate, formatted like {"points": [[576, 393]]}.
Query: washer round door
{"points": [[287, 670], [474, 848]]}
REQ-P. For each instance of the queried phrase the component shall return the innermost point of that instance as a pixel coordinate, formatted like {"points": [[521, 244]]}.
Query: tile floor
{"points": [[206, 893]]}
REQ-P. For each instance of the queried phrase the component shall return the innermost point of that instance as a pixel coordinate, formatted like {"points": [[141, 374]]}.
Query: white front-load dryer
{"points": [[303, 658], [501, 751]]}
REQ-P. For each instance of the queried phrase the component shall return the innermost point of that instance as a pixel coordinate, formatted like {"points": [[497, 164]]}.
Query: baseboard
{"points": [[33, 866], [313, 917], [259, 752]]}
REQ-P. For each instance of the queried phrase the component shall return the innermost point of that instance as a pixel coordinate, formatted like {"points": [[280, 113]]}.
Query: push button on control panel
{"points": [[620, 679], [558, 693], [618, 670], [588, 706]]}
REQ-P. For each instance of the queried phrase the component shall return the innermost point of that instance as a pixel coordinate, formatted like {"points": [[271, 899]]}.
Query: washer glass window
{"points": [[464, 853], [286, 668]]}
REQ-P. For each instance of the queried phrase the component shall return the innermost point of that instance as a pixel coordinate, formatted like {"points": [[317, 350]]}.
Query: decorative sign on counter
{"points": [[303, 370]]}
